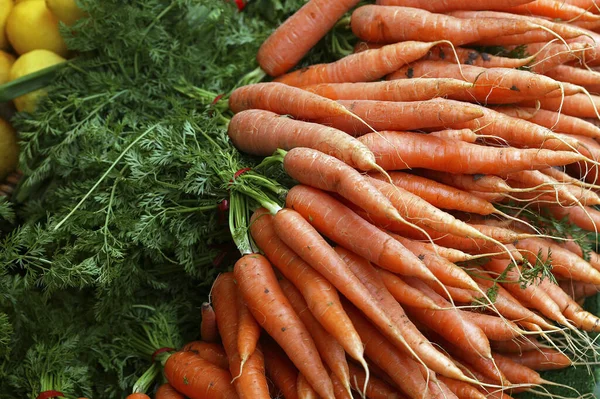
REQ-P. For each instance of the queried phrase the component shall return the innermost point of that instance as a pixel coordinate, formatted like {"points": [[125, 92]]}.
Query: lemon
{"points": [[31, 26], [29, 63], [6, 63], [9, 149], [66, 11], [6, 7]]}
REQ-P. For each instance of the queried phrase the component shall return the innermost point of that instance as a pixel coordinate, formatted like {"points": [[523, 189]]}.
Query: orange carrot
{"points": [[590, 5], [555, 10], [541, 359], [259, 287], [260, 132], [197, 378], [252, 382], [578, 290], [549, 55], [578, 105], [138, 395], [494, 327], [404, 293], [209, 351], [208, 325], [466, 135], [473, 57], [338, 388], [377, 388], [579, 76], [462, 389], [485, 183], [402, 150], [395, 90], [389, 115], [248, 331], [449, 5], [166, 391], [321, 296], [330, 350], [304, 389], [456, 294], [516, 372], [389, 24], [299, 33], [587, 218], [280, 368], [516, 346], [366, 66]]}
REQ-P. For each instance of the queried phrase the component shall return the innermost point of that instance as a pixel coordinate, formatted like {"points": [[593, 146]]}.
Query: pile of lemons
{"points": [[30, 40]]}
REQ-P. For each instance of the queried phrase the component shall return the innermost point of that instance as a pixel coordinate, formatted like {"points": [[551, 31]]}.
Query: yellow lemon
{"points": [[29, 63], [66, 11], [6, 7], [6, 63], [31, 26], [9, 149]]}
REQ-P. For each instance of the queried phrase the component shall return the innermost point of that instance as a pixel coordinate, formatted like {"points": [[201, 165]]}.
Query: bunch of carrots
{"points": [[403, 263]]}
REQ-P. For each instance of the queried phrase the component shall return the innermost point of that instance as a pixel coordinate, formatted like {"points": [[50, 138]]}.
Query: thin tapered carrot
{"points": [[166, 391], [338, 387], [563, 177], [494, 327], [516, 372], [321, 296], [579, 105], [280, 368], [261, 291], [353, 232], [489, 197], [331, 351], [587, 218], [401, 369], [449, 5], [197, 378], [325, 172], [549, 55], [299, 33], [578, 290], [283, 99], [590, 5], [296, 232], [473, 57], [462, 389], [248, 332], [440, 195], [541, 359], [455, 294], [466, 135], [404, 293], [394, 90], [516, 346], [209, 351], [260, 132], [440, 390], [555, 10], [366, 66], [376, 389], [490, 85], [579, 76], [389, 24], [252, 382], [553, 120], [392, 115], [403, 150], [485, 183], [208, 324], [304, 389]]}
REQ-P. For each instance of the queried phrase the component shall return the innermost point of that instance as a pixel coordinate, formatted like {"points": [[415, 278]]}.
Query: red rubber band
{"points": [[217, 98], [219, 259], [223, 205], [161, 350], [240, 5], [50, 394], [238, 174]]}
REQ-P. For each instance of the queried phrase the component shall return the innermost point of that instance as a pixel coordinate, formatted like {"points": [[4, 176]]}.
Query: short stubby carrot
{"points": [[279, 368], [208, 324], [390, 24], [393, 90], [261, 291], [166, 391], [366, 66], [449, 5], [209, 351], [260, 132], [299, 33], [391, 115], [405, 150], [284, 100], [197, 378]]}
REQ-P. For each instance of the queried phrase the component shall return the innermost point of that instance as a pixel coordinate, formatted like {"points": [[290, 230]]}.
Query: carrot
{"points": [[304, 389], [473, 57], [296, 232], [321, 296], [248, 332], [563, 193], [260, 132], [493, 327], [376, 389], [579, 76], [338, 388], [166, 391], [440, 195], [578, 105], [325, 172], [280, 368], [402, 370], [590, 5], [389, 115], [366, 66], [330, 350], [402, 150], [252, 382], [389, 24], [541, 359], [491, 85], [197, 378], [555, 10], [563, 177], [449, 5], [485, 183], [209, 351], [462, 389], [516, 346], [466, 135], [578, 290], [353, 232], [259, 287], [299, 33], [138, 395], [208, 325], [400, 90], [455, 294], [553, 120], [440, 390], [404, 293], [516, 372], [587, 218]]}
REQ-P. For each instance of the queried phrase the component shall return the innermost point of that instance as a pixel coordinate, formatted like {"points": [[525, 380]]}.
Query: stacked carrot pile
{"points": [[402, 264]]}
